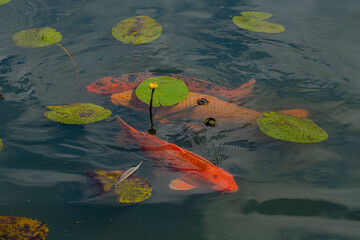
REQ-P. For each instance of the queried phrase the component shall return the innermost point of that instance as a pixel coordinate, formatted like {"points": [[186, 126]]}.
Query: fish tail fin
{"points": [[297, 112], [126, 128], [244, 90]]}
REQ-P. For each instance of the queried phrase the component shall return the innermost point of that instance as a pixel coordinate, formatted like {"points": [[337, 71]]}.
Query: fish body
{"points": [[194, 170], [118, 84], [221, 111]]}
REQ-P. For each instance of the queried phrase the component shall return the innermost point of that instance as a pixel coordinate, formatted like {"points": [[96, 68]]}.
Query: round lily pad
{"points": [[132, 190], [290, 128], [252, 21], [2, 2], [78, 113], [171, 91], [1, 144], [19, 228], [36, 37], [137, 30]]}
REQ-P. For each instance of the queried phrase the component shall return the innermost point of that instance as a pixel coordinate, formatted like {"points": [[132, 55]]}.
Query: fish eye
{"points": [[215, 176]]}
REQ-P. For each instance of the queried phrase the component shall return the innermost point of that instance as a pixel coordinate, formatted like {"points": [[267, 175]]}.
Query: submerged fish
{"points": [[198, 107], [193, 170], [118, 84]]}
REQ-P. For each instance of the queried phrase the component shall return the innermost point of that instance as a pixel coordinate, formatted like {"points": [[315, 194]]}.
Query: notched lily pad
{"points": [[137, 30], [132, 190], [36, 37], [22, 228], [78, 113], [2, 2], [290, 128], [253, 21], [171, 91]]}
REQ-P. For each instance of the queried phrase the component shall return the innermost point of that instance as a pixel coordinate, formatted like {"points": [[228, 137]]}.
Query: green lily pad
{"points": [[1, 144], [36, 37], [137, 30], [171, 91], [252, 21], [22, 228], [2, 2], [78, 113], [290, 128], [132, 190]]}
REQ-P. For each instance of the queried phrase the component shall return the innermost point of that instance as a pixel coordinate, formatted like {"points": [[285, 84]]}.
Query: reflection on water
{"points": [[286, 190]]}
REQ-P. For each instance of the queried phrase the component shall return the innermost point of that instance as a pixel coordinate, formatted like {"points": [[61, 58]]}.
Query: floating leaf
{"points": [[137, 30], [127, 173], [132, 190], [22, 228], [290, 128], [170, 91], [36, 37], [1, 144], [2, 2], [252, 21], [78, 113]]}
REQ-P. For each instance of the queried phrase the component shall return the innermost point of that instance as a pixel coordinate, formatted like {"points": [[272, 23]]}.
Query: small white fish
{"points": [[127, 174]]}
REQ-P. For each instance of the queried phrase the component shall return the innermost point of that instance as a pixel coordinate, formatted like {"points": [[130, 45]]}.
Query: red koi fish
{"points": [[194, 171], [198, 106], [118, 84]]}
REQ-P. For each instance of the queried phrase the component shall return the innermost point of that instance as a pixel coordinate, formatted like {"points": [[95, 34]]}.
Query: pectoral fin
{"points": [[297, 112], [178, 184]]}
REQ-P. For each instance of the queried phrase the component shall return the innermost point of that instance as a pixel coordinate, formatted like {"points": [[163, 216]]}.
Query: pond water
{"points": [[286, 190]]}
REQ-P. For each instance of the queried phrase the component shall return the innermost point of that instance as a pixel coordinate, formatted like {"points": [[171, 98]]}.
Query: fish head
{"points": [[110, 85], [128, 99], [220, 180]]}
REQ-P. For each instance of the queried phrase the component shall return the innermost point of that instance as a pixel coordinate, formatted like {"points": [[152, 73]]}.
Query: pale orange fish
{"points": [[193, 170], [198, 107], [121, 83]]}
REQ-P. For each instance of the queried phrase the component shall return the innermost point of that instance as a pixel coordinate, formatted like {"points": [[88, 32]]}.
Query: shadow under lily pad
{"points": [[78, 113]]}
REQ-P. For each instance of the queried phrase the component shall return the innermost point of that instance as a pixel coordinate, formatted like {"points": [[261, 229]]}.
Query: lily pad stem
{"points": [[74, 63], [152, 131]]}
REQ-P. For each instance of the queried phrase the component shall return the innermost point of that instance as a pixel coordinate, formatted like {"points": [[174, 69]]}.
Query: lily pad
{"points": [[132, 190], [78, 113], [36, 37], [252, 21], [22, 228], [1, 144], [137, 30], [290, 128], [171, 91], [2, 2]]}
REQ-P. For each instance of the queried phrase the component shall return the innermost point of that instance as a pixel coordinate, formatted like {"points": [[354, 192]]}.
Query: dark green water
{"points": [[287, 190]]}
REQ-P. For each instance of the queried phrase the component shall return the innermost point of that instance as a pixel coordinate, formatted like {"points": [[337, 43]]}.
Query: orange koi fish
{"points": [[118, 84], [194, 171], [198, 107]]}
